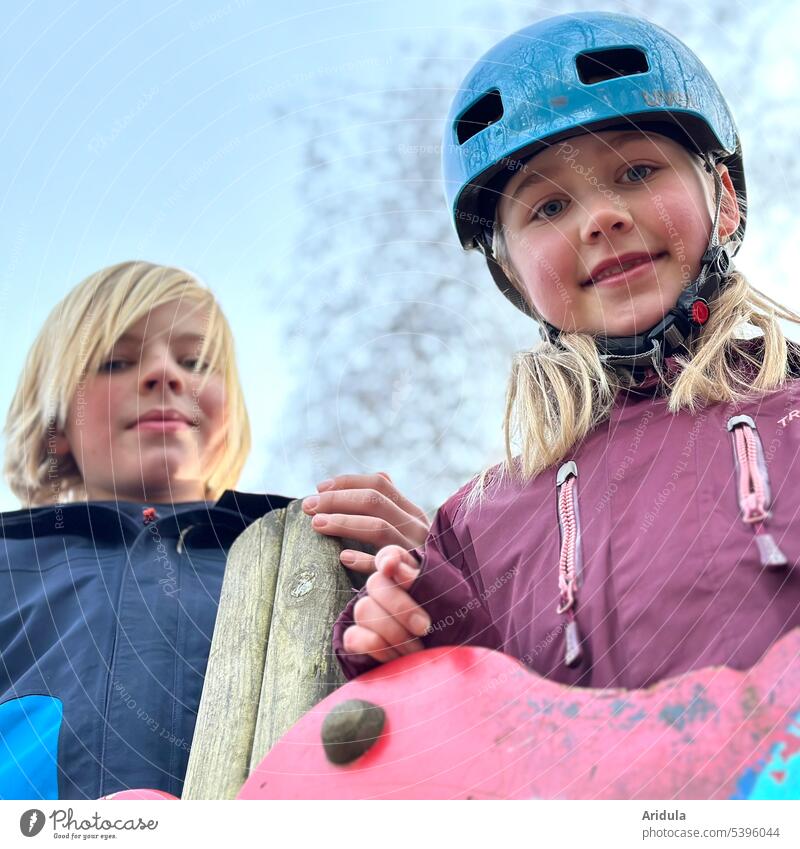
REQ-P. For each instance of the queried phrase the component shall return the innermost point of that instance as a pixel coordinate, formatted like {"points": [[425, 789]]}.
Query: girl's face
{"points": [[142, 428], [636, 205]]}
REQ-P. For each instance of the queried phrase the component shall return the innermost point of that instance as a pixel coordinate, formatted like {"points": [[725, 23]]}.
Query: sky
{"points": [[173, 132]]}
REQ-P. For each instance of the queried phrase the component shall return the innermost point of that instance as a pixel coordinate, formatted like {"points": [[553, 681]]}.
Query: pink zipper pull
{"points": [[573, 653], [753, 488], [771, 555], [568, 565]]}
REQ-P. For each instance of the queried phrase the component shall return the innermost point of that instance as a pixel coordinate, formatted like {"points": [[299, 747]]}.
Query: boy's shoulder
{"points": [[94, 516], [253, 504]]}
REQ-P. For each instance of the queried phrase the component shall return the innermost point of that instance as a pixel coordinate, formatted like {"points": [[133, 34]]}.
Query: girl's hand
{"points": [[388, 622], [368, 509]]}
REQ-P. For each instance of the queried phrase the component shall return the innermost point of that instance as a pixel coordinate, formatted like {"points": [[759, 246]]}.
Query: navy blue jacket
{"points": [[106, 620]]}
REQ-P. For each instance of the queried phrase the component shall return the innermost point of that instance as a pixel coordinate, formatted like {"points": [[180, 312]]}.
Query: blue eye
{"points": [[549, 209], [638, 169]]}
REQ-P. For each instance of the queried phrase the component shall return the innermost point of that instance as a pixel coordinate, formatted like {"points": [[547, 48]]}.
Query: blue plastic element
{"points": [[779, 777], [567, 75], [29, 729]]}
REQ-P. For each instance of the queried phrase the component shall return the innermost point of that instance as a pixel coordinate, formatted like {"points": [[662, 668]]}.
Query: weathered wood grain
{"points": [[226, 721], [300, 668]]}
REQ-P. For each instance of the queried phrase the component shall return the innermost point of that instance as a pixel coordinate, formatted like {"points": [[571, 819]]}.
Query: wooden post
{"points": [[226, 721], [271, 658], [300, 670]]}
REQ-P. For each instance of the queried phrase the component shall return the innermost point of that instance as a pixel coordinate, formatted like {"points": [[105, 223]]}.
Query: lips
{"points": [[620, 264], [168, 419]]}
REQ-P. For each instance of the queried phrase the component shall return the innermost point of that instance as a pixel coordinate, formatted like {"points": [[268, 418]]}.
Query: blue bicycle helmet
{"points": [[573, 74]]}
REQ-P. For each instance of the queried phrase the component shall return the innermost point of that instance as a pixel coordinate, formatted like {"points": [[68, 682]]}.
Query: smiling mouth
{"points": [[619, 271], [163, 425]]}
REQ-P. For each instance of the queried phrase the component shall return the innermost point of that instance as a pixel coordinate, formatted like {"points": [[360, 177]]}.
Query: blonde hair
{"points": [[560, 391], [74, 340]]}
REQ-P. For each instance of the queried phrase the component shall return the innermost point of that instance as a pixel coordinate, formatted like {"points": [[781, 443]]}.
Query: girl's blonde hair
{"points": [[559, 392], [76, 337]]}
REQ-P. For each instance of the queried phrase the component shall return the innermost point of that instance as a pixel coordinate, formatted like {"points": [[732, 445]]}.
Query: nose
{"points": [[604, 218], [160, 370]]}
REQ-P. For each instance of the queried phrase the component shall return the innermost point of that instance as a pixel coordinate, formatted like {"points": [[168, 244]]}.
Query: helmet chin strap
{"points": [[634, 354]]}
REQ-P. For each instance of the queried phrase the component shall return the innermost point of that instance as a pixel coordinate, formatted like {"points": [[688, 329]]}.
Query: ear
{"points": [[729, 215], [60, 444]]}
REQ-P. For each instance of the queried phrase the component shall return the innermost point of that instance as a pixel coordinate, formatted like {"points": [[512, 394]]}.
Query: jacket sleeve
{"points": [[446, 591]]}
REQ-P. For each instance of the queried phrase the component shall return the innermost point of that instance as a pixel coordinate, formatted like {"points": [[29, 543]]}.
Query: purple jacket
{"points": [[681, 534]]}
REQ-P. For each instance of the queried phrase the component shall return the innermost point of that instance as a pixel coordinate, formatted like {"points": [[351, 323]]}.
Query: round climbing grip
{"points": [[350, 729]]}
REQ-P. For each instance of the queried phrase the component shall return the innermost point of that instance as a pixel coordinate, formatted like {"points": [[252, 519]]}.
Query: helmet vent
{"points": [[485, 111], [601, 65]]}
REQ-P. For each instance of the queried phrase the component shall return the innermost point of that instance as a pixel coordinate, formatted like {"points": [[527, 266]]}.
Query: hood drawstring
{"points": [[753, 487], [568, 564], [181, 545]]}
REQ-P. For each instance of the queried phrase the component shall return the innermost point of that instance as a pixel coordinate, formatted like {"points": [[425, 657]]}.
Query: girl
{"points": [[648, 525], [126, 436]]}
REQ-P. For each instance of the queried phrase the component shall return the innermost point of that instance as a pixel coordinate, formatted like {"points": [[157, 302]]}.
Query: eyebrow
{"points": [[616, 139], [183, 337]]}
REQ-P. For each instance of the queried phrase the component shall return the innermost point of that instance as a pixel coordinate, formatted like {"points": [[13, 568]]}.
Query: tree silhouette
{"points": [[404, 339]]}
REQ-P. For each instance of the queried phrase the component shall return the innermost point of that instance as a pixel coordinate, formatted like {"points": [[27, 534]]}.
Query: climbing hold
{"points": [[350, 729]]}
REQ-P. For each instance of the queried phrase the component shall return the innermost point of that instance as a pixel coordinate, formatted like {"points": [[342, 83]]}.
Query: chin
{"points": [[634, 325]]}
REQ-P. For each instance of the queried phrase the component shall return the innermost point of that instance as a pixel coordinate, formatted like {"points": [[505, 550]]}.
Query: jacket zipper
{"points": [[569, 559], [753, 487]]}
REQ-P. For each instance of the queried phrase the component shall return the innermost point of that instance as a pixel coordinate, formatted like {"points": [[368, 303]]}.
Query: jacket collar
{"points": [[234, 509], [651, 384]]}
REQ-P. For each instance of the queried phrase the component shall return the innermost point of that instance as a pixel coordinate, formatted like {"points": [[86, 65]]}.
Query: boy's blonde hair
{"points": [[76, 337]]}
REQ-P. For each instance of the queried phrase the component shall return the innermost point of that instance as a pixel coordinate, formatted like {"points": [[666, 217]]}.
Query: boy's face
{"points": [[618, 196], [141, 428]]}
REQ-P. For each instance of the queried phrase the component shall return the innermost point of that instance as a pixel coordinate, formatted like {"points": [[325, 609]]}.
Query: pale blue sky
{"points": [[145, 130]]}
